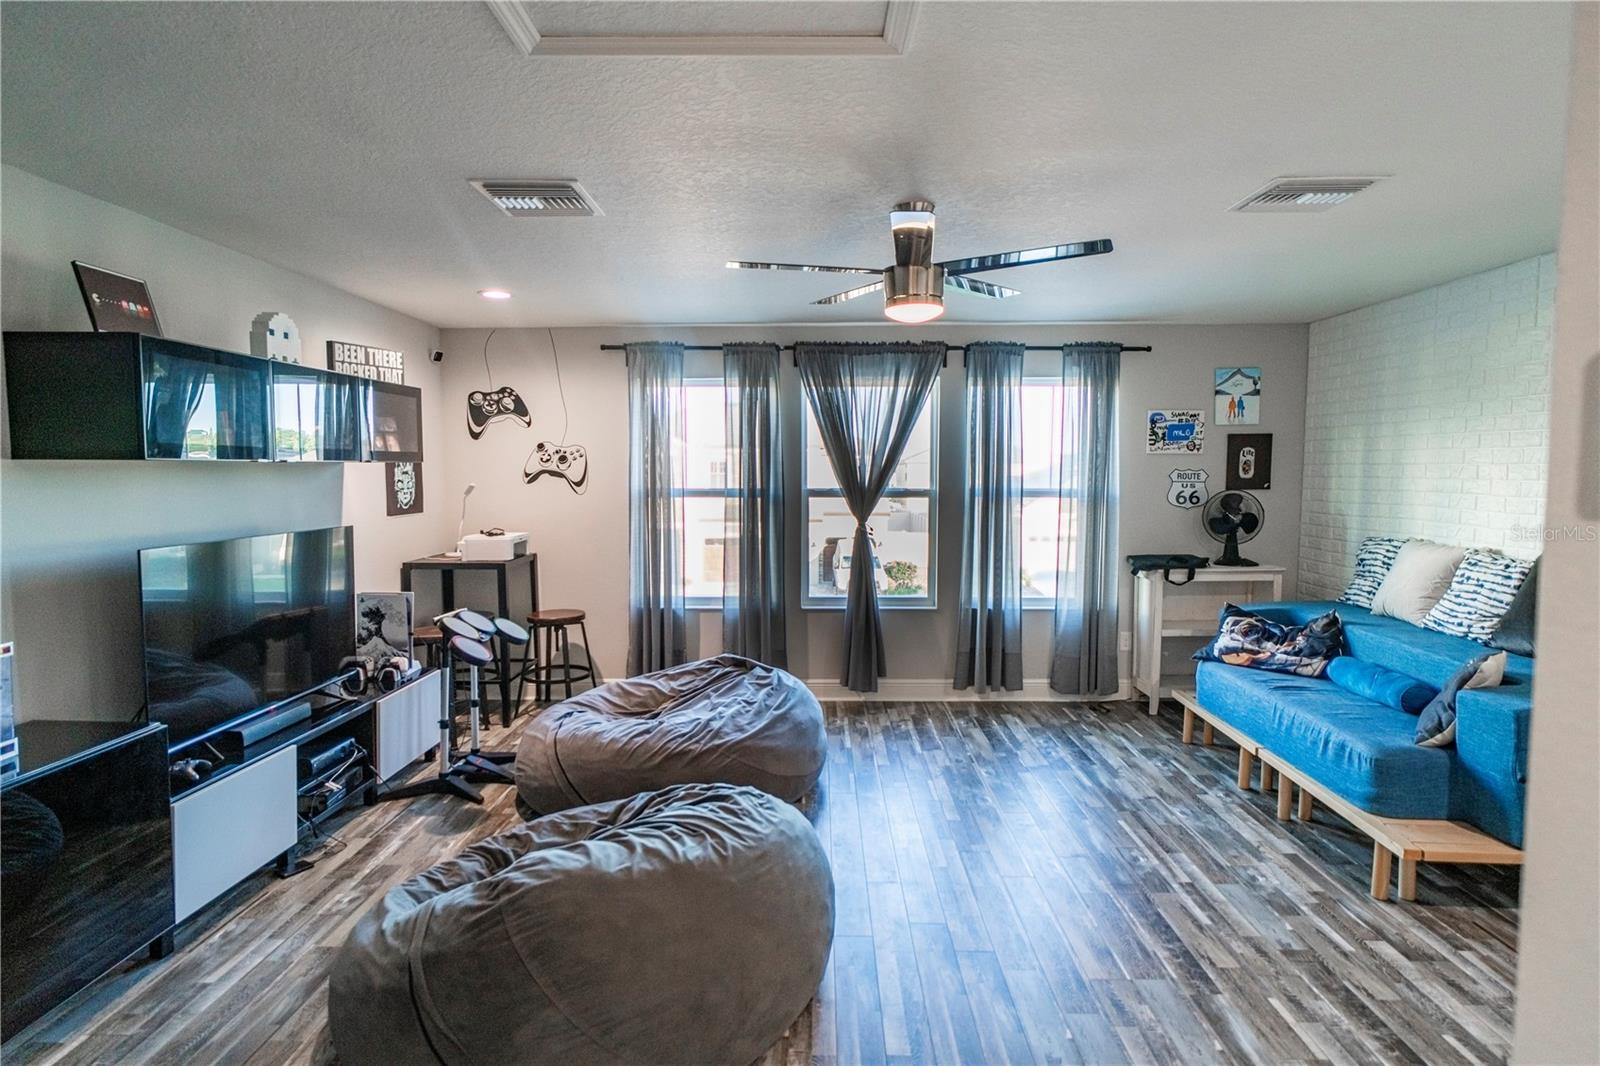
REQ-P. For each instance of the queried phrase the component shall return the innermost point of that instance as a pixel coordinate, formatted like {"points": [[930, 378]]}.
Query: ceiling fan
{"points": [[913, 288]]}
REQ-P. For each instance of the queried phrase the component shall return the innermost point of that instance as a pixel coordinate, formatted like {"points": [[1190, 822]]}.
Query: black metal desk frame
{"points": [[446, 568]]}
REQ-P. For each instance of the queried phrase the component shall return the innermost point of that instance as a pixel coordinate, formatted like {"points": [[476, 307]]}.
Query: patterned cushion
{"points": [[1247, 639], [1479, 595], [1373, 560]]}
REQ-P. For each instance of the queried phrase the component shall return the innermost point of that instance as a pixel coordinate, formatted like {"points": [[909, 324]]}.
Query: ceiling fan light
{"points": [[913, 314], [913, 294]]}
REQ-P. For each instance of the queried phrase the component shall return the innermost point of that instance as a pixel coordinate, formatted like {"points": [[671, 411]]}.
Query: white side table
{"points": [[1162, 610]]}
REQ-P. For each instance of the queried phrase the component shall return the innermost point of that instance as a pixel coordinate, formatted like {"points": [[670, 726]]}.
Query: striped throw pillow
{"points": [[1479, 595], [1373, 562]]}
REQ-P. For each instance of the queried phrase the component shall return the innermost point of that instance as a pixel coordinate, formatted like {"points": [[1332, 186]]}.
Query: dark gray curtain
{"points": [[344, 420], [656, 627], [866, 398], [172, 403], [1084, 661], [753, 622], [989, 618]]}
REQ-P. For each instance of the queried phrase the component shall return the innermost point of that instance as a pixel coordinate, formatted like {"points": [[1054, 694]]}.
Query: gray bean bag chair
{"points": [[689, 925], [724, 719]]}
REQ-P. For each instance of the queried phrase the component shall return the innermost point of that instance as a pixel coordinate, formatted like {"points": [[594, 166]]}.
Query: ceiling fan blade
{"points": [[849, 294], [979, 288], [740, 264], [1026, 257]]}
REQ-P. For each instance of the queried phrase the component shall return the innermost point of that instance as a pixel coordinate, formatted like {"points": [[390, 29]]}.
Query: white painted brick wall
{"points": [[1426, 417]]}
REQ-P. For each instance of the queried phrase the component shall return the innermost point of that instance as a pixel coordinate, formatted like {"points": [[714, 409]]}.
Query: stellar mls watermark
{"points": [[1583, 534]]}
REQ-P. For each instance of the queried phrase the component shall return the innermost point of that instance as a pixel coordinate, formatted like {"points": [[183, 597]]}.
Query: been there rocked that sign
{"points": [[363, 360]]}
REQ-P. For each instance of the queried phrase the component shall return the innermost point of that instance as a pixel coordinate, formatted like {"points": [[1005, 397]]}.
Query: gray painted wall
{"points": [[583, 539], [1558, 963], [69, 531]]}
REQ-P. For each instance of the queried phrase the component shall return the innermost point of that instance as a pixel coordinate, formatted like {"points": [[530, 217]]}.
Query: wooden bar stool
{"points": [[555, 624], [429, 640]]}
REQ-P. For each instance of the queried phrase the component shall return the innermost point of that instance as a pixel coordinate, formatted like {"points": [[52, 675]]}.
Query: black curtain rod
{"points": [[947, 348]]}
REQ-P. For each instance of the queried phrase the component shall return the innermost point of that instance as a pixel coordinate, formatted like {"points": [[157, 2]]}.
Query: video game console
{"points": [[487, 407], [569, 462]]}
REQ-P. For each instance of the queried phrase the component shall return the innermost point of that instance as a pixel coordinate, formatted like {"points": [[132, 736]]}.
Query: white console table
{"points": [[1162, 610]]}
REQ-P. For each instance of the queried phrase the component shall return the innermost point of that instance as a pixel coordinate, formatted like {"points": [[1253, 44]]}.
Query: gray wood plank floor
{"points": [[1017, 883]]}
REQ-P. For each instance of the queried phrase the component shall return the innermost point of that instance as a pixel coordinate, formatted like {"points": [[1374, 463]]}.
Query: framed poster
{"points": [[116, 302], [1249, 460], [1176, 431], [403, 487], [383, 625], [365, 361], [1238, 396]]}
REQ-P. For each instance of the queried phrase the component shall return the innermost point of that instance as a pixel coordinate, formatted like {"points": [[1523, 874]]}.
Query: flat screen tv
{"points": [[235, 626]]}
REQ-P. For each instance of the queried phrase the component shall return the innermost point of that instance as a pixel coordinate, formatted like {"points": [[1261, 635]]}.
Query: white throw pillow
{"points": [[1490, 674], [1420, 574]]}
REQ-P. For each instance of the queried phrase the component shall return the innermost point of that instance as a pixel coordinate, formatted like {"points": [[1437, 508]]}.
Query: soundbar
{"points": [[267, 724]]}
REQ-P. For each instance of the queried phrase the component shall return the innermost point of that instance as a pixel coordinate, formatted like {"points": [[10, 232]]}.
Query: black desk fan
{"points": [[1232, 518]]}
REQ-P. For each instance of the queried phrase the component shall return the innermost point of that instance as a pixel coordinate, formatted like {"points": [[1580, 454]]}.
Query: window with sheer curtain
{"points": [[904, 524], [704, 490], [1047, 505]]}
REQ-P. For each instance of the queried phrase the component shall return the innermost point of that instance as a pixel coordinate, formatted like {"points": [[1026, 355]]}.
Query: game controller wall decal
{"points": [[569, 462], [559, 458], [490, 405], [486, 408]]}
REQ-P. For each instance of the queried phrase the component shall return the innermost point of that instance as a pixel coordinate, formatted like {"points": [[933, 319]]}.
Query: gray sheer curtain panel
{"points": [[1084, 660], [989, 620], [656, 626], [753, 621], [866, 398]]}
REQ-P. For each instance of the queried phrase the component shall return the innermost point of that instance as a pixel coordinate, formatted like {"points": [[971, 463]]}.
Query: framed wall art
{"points": [[1249, 460], [1238, 396], [403, 488], [1174, 430]]}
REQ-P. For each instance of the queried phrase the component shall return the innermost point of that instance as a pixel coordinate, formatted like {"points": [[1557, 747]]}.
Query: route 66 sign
{"points": [[1188, 488]]}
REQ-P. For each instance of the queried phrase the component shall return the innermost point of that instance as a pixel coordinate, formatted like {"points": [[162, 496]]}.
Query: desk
{"points": [[502, 569]]}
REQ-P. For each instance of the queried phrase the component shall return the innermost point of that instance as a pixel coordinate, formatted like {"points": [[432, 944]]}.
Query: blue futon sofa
{"points": [[1365, 751]]}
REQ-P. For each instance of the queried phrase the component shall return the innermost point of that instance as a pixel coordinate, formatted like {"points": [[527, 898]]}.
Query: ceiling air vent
{"points": [[558, 198], [1303, 194]]}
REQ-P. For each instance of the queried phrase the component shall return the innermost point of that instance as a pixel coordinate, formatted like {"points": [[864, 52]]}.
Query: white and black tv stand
{"points": [[245, 814]]}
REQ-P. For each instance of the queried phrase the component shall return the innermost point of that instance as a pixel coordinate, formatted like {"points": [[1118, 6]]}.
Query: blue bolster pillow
{"points": [[1380, 685]]}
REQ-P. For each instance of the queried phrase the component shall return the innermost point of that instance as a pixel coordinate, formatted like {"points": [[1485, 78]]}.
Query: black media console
{"points": [[106, 851]]}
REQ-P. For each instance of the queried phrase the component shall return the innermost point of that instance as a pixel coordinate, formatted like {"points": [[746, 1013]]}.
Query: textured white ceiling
{"points": [[337, 140]]}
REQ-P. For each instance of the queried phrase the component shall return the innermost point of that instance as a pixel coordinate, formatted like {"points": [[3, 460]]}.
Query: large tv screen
{"points": [[231, 626]]}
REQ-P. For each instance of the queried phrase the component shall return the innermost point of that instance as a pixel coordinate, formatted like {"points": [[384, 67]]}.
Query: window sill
{"points": [[882, 606]]}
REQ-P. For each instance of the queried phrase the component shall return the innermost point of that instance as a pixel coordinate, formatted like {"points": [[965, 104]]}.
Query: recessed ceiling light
{"points": [[494, 294]]}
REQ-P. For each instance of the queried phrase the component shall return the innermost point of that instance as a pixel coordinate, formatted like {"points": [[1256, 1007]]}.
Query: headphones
{"points": [[361, 672]]}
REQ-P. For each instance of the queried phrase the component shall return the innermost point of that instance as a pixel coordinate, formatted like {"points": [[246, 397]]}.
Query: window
{"points": [[902, 525], [704, 490], [1048, 507]]}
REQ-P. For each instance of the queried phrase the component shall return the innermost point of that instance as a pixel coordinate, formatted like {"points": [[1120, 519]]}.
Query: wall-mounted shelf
{"points": [[133, 396]]}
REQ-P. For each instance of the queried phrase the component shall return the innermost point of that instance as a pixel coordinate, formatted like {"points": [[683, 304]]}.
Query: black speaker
{"points": [[438, 357]]}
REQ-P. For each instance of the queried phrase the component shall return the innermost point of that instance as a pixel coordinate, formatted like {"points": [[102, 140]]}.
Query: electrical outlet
{"points": [[1124, 641]]}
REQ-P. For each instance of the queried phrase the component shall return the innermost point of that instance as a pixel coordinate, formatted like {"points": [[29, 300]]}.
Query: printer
{"points": [[493, 547]]}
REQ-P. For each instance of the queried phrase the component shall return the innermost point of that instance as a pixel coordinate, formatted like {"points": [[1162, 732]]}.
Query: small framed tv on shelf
{"points": [[236, 628]]}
